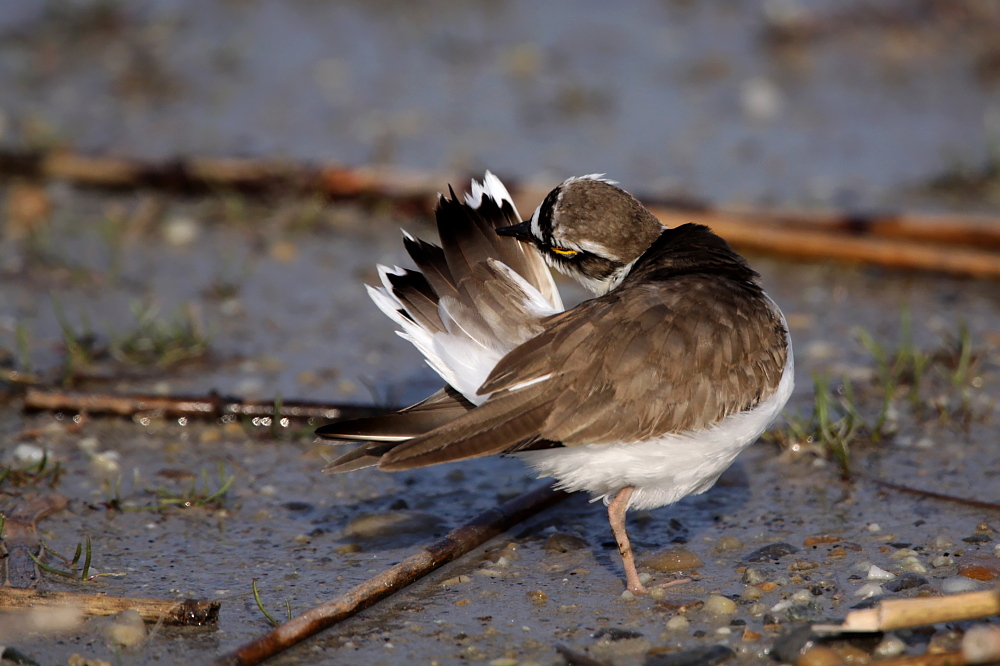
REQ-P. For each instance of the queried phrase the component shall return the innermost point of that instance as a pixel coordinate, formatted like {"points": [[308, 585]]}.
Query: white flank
{"points": [[665, 469]]}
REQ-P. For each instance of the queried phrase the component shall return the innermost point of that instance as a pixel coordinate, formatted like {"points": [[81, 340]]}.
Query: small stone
{"points": [[563, 543], [942, 561], [178, 231], [802, 597], [877, 573], [627, 596], [126, 629], [504, 661], [455, 580], [820, 656], [538, 596], [750, 593], [754, 576], [347, 549], [772, 552], [672, 559], [890, 646], [28, 454], [657, 594], [677, 623], [941, 542], [645, 577], [610, 634], [979, 572], [913, 565], [719, 605], [906, 581], [903, 553], [728, 543], [958, 584], [819, 539], [868, 590], [874, 527]]}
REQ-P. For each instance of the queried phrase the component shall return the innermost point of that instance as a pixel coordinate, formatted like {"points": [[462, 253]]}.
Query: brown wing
{"points": [[681, 355]]}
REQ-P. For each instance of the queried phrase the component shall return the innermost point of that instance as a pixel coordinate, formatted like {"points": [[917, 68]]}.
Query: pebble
{"points": [[906, 581], [979, 572], [672, 559], [504, 661], [820, 656], [772, 552], [913, 565], [657, 593], [455, 580], [754, 576], [677, 623], [874, 527], [890, 646], [941, 542], [958, 584], [627, 596], [903, 553], [564, 543], [538, 596], [719, 605], [868, 590], [178, 231], [942, 561], [727, 543], [371, 525], [28, 454], [751, 593], [877, 573], [126, 629], [802, 597]]}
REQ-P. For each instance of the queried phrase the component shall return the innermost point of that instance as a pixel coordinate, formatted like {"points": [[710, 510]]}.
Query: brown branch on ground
{"points": [[190, 612], [948, 243], [212, 406], [455, 544]]}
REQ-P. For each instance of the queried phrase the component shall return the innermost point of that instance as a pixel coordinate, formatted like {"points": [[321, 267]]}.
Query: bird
{"points": [[641, 395]]}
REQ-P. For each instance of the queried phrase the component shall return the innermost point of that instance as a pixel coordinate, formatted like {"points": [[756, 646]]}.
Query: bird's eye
{"points": [[565, 251]]}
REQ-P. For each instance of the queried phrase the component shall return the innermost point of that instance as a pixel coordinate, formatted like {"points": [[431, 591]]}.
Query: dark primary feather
{"points": [[687, 339], [386, 432]]}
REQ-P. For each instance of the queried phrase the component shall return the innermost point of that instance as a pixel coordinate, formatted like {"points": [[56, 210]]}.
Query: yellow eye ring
{"points": [[565, 251]]}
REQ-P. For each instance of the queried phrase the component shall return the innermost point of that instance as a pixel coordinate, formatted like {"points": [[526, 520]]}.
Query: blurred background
{"points": [[788, 101], [256, 292]]}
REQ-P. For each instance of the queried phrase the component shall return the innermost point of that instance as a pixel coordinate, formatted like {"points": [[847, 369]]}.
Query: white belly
{"points": [[665, 469]]}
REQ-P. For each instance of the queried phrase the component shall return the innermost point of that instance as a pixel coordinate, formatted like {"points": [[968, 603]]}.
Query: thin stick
{"points": [[979, 504], [211, 406], [190, 612], [771, 238], [336, 181], [457, 542], [900, 613]]}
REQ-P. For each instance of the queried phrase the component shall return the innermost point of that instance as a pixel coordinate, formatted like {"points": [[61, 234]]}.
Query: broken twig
{"points": [[948, 243], [901, 613], [190, 612], [212, 406], [455, 544]]}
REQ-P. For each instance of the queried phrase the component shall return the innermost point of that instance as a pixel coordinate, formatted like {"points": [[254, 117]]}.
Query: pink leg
{"points": [[616, 516]]}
